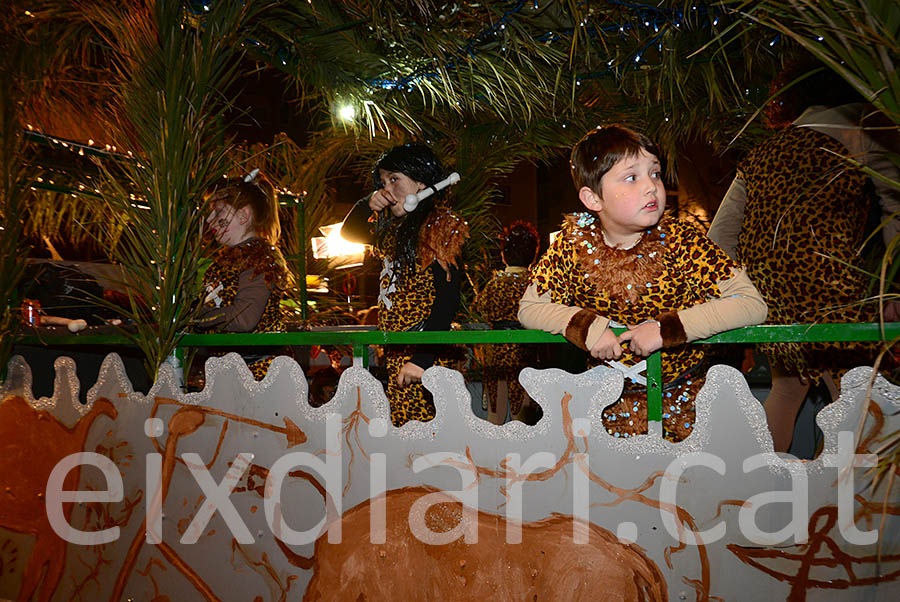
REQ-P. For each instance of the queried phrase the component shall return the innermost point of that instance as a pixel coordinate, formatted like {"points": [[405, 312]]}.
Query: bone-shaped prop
{"points": [[414, 199]]}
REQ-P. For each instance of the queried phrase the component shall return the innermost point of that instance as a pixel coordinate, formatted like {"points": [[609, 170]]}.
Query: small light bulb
{"points": [[347, 113]]}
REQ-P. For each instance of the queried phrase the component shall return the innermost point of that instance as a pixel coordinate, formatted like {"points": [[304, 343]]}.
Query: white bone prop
{"points": [[72, 325], [413, 199]]}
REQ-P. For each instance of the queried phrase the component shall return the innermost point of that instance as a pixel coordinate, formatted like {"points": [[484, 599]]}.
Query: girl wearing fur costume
{"points": [[420, 279], [248, 277]]}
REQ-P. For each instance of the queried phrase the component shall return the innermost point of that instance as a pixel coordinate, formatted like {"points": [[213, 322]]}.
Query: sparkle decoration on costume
{"points": [[605, 264]]}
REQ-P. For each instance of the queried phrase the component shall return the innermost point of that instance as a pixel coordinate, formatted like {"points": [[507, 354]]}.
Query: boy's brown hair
{"points": [[600, 149], [259, 195]]}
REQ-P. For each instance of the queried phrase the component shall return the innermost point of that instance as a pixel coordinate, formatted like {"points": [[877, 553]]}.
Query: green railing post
{"points": [[654, 389], [361, 351]]}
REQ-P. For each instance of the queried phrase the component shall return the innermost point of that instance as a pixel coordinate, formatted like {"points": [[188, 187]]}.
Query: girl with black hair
{"points": [[420, 279]]}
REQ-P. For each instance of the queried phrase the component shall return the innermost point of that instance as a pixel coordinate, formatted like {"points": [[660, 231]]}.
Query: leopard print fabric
{"points": [[628, 416], [404, 302], [691, 266], [266, 261], [414, 401], [499, 300], [803, 224]]}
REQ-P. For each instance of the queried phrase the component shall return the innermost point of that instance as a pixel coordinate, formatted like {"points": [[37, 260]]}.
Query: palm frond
{"points": [[169, 82]]}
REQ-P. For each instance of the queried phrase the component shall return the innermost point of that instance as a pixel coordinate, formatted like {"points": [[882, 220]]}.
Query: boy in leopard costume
{"points": [[420, 279], [623, 262]]}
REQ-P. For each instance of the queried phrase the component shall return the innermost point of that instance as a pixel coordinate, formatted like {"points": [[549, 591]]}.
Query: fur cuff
{"points": [[671, 329], [577, 328]]}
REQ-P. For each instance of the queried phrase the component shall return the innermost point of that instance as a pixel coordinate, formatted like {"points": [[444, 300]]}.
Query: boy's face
{"points": [[632, 195], [396, 186]]}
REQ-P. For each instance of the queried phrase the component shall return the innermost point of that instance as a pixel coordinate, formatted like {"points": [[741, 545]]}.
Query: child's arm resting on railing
{"points": [[738, 305], [582, 327]]}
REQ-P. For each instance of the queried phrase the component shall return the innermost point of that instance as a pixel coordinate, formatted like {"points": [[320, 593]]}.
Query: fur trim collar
{"points": [[621, 274]]}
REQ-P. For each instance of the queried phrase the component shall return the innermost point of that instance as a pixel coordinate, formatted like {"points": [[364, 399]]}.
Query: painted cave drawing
{"points": [[836, 568], [820, 563], [546, 566], [573, 456], [234, 415], [185, 420], [32, 442]]}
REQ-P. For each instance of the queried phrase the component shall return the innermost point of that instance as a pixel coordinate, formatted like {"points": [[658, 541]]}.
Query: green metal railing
{"points": [[360, 339]]}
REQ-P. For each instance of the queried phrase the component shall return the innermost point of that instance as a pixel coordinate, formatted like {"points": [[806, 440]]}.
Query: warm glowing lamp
{"points": [[331, 245]]}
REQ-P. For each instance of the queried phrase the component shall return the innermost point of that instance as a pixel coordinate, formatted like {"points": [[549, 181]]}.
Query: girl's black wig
{"points": [[419, 163]]}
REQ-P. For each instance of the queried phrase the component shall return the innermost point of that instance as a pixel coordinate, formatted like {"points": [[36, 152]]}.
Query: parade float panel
{"points": [[245, 491]]}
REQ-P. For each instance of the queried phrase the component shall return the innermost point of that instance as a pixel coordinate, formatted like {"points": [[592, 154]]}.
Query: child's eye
{"points": [[629, 178], [657, 174]]}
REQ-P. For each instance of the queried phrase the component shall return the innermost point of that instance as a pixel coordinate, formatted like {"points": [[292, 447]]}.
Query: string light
{"points": [[646, 14], [108, 150], [347, 112]]}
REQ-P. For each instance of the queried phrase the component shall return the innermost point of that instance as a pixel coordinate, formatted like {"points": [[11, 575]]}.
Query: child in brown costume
{"points": [[244, 285], [498, 304], [420, 280], [623, 261]]}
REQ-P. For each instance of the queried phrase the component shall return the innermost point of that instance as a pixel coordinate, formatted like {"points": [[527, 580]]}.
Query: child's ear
{"points": [[590, 199], [245, 214]]}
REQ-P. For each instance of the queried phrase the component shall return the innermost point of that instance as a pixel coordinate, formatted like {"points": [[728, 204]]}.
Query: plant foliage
{"points": [[168, 81]]}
